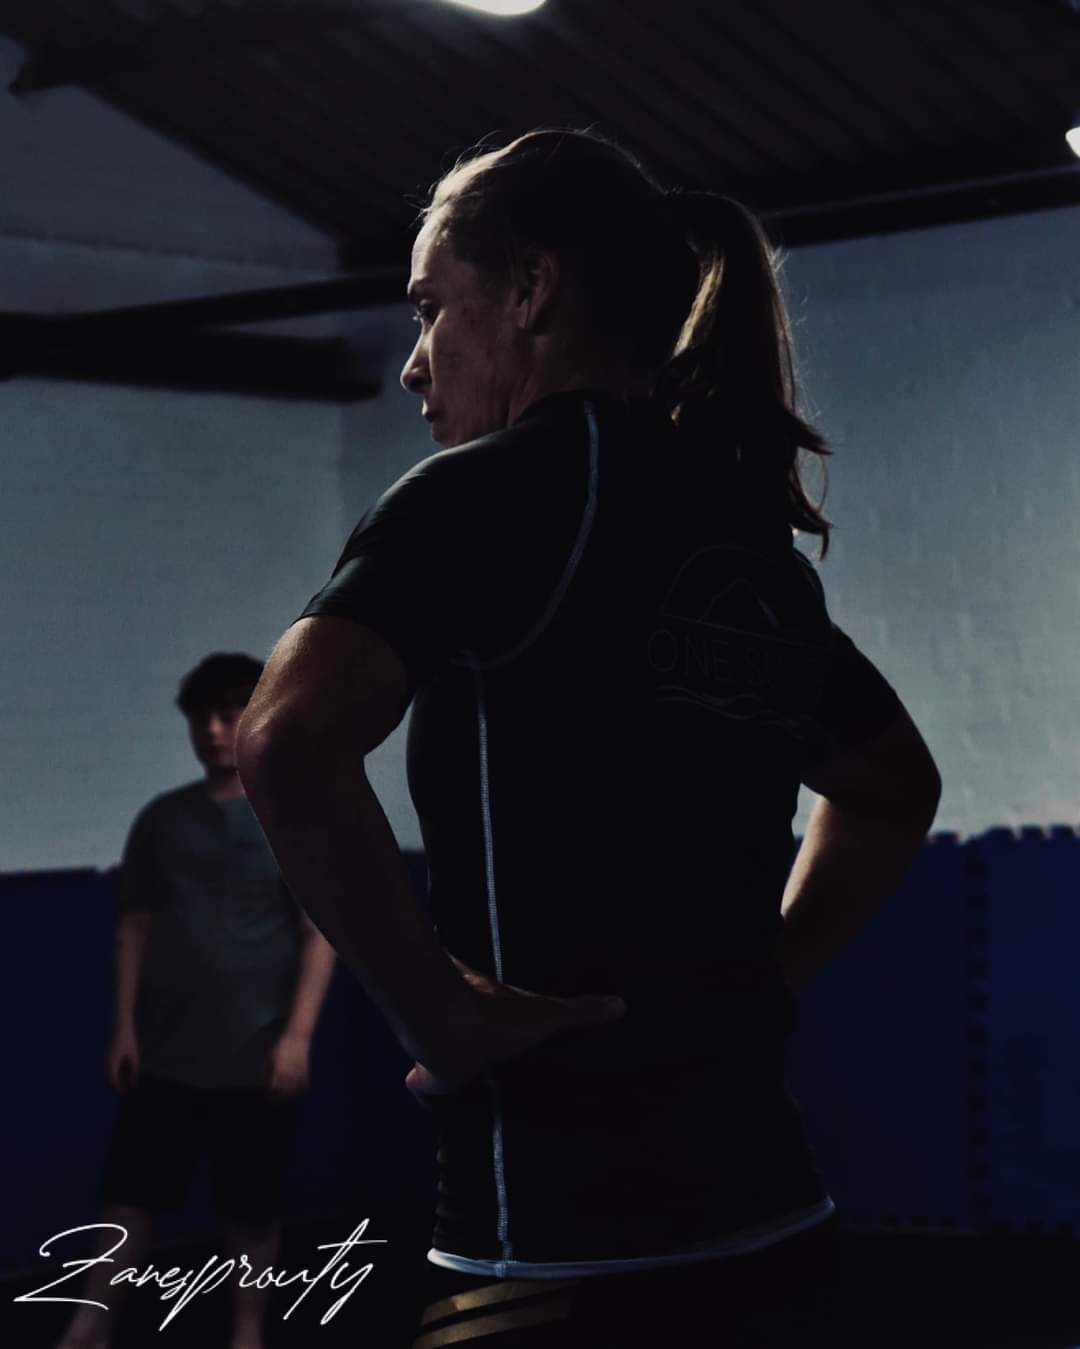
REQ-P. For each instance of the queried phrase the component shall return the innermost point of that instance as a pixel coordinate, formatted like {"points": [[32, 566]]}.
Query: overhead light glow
{"points": [[1073, 137], [504, 7]]}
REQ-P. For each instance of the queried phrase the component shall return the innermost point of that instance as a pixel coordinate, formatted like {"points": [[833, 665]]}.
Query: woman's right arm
{"points": [[877, 802]]}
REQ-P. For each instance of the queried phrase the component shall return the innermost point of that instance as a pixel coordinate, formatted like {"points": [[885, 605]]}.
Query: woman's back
{"points": [[649, 653], [623, 667]]}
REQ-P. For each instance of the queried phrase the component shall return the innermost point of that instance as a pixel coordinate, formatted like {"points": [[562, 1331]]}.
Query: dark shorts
{"points": [[161, 1129], [776, 1298]]}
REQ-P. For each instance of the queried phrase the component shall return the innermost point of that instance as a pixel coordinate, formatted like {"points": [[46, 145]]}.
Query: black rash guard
{"points": [[621, 666]]}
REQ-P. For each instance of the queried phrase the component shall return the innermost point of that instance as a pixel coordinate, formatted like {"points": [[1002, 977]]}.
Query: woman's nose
{"points": [[414, 373]]}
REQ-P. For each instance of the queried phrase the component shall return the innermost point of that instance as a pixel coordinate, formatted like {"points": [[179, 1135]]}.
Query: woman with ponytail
{"points": [[620, 670], [733, 359]]}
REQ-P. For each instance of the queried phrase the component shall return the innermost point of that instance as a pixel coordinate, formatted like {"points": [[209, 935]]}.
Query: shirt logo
{"points": [[741, 635]]}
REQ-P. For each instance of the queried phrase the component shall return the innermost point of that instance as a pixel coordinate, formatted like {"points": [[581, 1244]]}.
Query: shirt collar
{"points": [[566, 401]]}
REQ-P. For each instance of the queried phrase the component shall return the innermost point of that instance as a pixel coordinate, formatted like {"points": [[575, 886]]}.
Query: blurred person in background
{"points": [[218, 981], [620, 669]]}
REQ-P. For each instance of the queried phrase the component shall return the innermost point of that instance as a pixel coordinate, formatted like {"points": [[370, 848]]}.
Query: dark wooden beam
{"points": [[948, 204], [322, 369], [383, 285]]}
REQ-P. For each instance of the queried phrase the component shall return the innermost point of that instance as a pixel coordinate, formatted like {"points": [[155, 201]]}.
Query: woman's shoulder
{"points": [[502, 464]]}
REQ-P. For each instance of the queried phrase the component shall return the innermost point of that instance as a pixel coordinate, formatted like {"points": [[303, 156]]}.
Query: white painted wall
{"points": [[945, 364], [138, 532], [141, 530]]}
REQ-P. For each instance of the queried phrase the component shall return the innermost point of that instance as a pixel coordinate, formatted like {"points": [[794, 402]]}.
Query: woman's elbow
{"points": [[264, 742], [934, 796]]}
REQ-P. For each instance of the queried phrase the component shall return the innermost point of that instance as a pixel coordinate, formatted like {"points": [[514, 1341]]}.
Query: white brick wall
{"points": [[945, 364], [139, 531], [142, 529]]}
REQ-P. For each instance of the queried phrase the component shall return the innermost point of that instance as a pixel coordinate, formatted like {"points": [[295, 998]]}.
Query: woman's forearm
{"points": [[340, 860], [849, 864]]}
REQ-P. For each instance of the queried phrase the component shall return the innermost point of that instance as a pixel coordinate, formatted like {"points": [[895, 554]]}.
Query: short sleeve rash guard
{"points": [[621, 665], [456, 556]]}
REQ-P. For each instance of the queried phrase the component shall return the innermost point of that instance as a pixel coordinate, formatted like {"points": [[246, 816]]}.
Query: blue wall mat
{"points": [[1032, 1022], [936, 1062], [878, 1063], [362, 1138], [56, 1014]]}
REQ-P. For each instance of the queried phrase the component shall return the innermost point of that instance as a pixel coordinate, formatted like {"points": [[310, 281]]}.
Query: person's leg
{"points": [[260, 1242], [248, 1149], [152, 1151], [94, 1327]]}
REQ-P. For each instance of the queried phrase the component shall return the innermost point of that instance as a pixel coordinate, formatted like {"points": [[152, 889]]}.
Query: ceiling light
{"points": [[504, 7], [1073, 137]]}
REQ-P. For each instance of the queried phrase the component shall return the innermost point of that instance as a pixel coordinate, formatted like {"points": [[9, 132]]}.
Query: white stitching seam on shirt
{"points": [[584, 530], [485, 813], [496, 949], [477, 666]]}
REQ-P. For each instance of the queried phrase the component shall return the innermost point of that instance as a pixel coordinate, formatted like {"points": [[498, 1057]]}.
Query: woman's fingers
{"points": [[483, 983], [516, 1022], [423, 1083], [588, 1008]]}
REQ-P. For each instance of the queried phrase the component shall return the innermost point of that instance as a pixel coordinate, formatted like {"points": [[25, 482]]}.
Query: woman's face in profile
{"points": [[468, 357]]}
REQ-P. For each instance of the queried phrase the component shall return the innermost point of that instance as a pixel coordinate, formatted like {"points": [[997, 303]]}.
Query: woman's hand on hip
{"points": [[509, 1021]]}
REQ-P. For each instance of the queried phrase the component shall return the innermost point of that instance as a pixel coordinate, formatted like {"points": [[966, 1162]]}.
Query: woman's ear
{"points": [[534, 296]]}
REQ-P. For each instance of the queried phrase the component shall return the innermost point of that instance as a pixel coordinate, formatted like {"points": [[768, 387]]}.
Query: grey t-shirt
{"points": [[221, 961]]}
